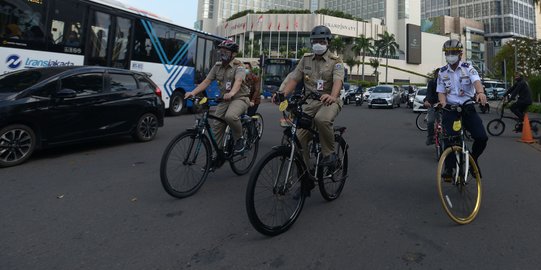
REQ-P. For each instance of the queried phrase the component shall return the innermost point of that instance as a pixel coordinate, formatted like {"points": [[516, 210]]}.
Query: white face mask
{"points": [[318, 48], [451, 59]]}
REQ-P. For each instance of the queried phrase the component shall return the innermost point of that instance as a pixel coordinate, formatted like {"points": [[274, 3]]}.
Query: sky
{"points": [[181, 12]]}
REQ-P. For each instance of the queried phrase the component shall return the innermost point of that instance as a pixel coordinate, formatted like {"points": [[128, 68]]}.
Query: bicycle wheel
{"points": [[242, 162], [332, 183], [273, 203], [459, 191], [185, 164], [495, 127], [535, 126], [259, 124], [421, 121]]}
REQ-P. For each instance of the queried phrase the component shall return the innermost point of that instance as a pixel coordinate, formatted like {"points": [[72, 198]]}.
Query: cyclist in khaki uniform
{"points": [[230, 75], [323, 73]]}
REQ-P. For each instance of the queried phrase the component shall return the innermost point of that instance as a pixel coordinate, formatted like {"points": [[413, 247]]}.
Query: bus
{"points": [[43, 33], [275, 71]]}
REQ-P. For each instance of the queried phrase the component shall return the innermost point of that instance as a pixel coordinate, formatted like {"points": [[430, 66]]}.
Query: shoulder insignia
{"points": [[442, 69], [339, 66], [308, 54], [218, 64], [465, 64]]}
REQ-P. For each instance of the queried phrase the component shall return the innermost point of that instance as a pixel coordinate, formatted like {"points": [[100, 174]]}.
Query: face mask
{"points": [[319, 49], [225, 57], [451, 59]]}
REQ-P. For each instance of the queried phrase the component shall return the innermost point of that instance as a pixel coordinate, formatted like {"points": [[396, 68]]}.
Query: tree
{"points": [[351, 62], [362, 46], [302, 51], [358, 63], [387, 46], [374, 63], [527, 56], [337, 45]]}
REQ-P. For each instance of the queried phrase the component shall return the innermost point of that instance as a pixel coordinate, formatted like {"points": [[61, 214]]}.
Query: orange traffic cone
{"points": [[526, 131]]}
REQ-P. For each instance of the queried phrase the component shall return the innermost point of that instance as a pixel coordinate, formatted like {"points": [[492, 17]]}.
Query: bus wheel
{"points": [[176, 105]]}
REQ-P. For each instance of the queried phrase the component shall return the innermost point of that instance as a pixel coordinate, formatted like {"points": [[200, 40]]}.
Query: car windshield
{"points": [[382, 90], [422, 92], [17, 81]]}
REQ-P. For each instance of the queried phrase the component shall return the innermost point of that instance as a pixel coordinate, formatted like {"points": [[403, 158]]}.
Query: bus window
{"points": [[120, 48], [210, 56], [200, 61], [142, 45], [66, 27], [22, 22], [99, 36]]}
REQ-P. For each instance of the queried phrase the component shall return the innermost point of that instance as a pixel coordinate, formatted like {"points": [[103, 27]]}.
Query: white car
{"points": [[384, 96], [418, 103], [366, 93]]}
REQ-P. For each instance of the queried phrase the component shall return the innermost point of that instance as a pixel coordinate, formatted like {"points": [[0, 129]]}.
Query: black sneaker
{"points": [[329, 160], [306, 187], [447, 175], [239, 145]]}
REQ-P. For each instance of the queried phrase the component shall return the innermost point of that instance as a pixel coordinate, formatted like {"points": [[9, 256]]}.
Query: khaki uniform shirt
{"points": [[319, 73], [226, 76]]}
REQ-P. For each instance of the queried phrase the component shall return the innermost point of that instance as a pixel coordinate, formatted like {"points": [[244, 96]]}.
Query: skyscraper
{"points": [[210, 13], [502, 19]]}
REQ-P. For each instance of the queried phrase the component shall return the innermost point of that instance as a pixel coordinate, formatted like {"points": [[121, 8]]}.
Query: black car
{"points": [[44, 107]]}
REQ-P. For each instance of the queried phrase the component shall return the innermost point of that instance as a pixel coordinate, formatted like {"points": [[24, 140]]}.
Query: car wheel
{"points": [[176, 104], [17, 143], [147, 128]]}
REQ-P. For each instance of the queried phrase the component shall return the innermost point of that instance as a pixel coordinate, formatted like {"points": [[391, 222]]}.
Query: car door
{"points": [[123, 105], [75, 118]]}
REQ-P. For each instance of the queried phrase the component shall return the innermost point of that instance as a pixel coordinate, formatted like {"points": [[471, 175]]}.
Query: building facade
{"points": [[287, 35], [213, 12], [502, 19]]}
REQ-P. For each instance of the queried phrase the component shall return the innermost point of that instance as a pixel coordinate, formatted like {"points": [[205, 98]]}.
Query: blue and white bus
{"points": [[41, 33]]}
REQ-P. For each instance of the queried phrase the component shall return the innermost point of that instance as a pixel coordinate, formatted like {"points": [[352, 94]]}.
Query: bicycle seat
{"points": [[340, 129]]}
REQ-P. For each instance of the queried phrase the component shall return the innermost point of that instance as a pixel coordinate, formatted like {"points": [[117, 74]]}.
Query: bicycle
{"points": [[496, 126], [459, 202], [281, 180], [191, 155], [421, 121]]}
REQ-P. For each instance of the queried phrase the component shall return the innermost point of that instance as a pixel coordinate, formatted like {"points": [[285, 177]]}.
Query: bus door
{"points": [[109, 39]]}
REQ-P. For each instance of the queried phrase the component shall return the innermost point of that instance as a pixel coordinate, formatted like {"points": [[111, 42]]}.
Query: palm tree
{"points": [[387, 46], [351, 62], [362, 46], [374, 63], [337, 45]]}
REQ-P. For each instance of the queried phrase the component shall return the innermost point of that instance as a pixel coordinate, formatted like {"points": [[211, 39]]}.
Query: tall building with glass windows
{"points": [[502, 19], [211, 13]]}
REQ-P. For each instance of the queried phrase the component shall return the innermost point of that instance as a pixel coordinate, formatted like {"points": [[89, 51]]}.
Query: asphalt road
{"points": [[101, 206]]}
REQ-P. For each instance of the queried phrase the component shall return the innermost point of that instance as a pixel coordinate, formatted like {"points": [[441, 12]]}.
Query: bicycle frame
{"points": [[465, 150]]}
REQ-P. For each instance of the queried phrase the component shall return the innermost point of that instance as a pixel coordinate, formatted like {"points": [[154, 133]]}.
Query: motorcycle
{"points": [[359, 99]]}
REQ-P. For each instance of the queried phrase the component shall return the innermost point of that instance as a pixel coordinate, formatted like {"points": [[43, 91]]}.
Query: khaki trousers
{"points": [[323, 119], [230, 111]]}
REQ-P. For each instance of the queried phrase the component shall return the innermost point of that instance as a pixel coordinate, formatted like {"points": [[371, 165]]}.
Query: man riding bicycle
{"points": [[524, 100], [458, 83], [230, 74], [323, 74]]}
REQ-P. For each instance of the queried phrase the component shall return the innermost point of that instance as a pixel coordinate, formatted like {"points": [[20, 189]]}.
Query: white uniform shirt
{"points": [[457, 84]]}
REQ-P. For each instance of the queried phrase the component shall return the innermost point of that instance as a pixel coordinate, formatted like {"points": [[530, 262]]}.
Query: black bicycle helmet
{"points": [[452, 45], [320, 32], [229, 45]]}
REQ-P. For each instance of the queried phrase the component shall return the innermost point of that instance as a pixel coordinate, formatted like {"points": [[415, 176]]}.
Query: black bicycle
{"points": [[191, 155], [282, 179], [496, 126]]}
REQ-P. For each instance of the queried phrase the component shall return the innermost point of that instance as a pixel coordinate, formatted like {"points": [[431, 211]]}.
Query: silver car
{"points": [[384, 96]]}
